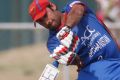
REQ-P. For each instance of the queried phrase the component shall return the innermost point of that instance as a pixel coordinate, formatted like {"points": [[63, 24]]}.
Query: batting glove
{"points": [[58, 51], [67, 38], [65, 59]]}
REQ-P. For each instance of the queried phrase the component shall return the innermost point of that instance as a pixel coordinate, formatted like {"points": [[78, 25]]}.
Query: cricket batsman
{"points": [[78, 37]]}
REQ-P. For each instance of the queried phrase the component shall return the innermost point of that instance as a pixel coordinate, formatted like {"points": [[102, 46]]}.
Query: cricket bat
{"points": [[50, 72]]}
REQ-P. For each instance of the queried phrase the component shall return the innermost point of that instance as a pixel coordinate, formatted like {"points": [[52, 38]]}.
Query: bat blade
{"points": [[50, 72]]}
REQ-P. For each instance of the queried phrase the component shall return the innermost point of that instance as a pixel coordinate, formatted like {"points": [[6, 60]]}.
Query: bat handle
{"points": [[55, 63]]}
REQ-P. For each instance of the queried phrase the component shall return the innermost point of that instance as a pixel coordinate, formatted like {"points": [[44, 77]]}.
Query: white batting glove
{"points": [[58, 51], [67, 38], [64, 59]]}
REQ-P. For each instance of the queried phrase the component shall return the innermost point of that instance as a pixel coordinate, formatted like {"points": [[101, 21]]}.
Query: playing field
{"points": [[27, 63]]}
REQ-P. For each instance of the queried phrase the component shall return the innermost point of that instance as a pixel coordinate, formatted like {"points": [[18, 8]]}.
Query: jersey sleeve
{"points": [[52, 42], [69, 5]]}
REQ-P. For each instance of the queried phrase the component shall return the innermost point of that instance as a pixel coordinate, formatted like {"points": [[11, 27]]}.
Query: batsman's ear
{"points": [[53, 6]]}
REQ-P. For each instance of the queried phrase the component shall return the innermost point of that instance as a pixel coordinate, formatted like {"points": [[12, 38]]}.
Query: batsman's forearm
{"points": [[75, 15]]}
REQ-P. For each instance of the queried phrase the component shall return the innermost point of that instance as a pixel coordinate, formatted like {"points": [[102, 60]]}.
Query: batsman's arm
{"points": [[75, 14]]}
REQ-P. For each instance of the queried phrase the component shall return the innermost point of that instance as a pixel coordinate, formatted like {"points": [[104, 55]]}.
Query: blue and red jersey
{"points": [[95, 41]]}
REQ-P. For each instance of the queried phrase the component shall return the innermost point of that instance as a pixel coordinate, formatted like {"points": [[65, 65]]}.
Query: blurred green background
{"points": [[23, 52], [17, 10]]}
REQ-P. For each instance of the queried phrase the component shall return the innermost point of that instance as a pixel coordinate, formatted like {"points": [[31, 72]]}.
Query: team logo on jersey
{"points": [[87, 35], [100, 44], [94, 40]]}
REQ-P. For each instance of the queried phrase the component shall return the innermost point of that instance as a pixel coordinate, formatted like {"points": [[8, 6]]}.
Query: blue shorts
{"points": [[101, 70]]}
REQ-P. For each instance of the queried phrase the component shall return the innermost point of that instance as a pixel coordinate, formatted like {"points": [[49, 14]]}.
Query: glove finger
{"points": [[75, 42], [70, 35], [60, 50], [61, 61], [65, 43], [71, 59], [62, 34], [55, 56], [69, 38], [64, 58], [68, 54]]}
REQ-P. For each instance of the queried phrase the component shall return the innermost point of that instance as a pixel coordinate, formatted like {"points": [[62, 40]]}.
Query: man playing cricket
{"points": [[77, 36]]}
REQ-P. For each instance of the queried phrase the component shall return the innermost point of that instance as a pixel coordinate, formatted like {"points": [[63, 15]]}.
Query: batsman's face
{"points": [[51, 20]]}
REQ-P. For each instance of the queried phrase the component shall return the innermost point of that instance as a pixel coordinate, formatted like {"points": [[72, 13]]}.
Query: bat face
{"points": [[49, 73]]}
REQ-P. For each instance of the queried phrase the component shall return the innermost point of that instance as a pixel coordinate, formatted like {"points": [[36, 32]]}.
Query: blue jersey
{"points": [[95, 41]]}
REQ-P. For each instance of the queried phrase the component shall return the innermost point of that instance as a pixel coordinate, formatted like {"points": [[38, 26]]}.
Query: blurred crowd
{"points": [[108, 10]]}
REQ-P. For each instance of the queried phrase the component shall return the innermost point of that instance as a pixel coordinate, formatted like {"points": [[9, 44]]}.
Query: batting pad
{"points": [[49, 73]]}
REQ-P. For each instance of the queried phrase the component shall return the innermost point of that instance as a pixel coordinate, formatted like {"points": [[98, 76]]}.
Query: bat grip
{"points": [[55, 63]]}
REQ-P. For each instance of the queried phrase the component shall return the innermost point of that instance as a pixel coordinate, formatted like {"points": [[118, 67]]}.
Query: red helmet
{"points": [[37, 9]]}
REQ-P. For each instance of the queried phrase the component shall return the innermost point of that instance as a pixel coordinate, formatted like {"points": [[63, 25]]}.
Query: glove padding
{"points": [[69, 59], [67, 38], [62, 54], [65, 59], [58, 51]]}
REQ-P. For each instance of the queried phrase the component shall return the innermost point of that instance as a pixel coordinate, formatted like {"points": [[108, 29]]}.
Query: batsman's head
{"points": [[45, 13], [37, 9]]}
